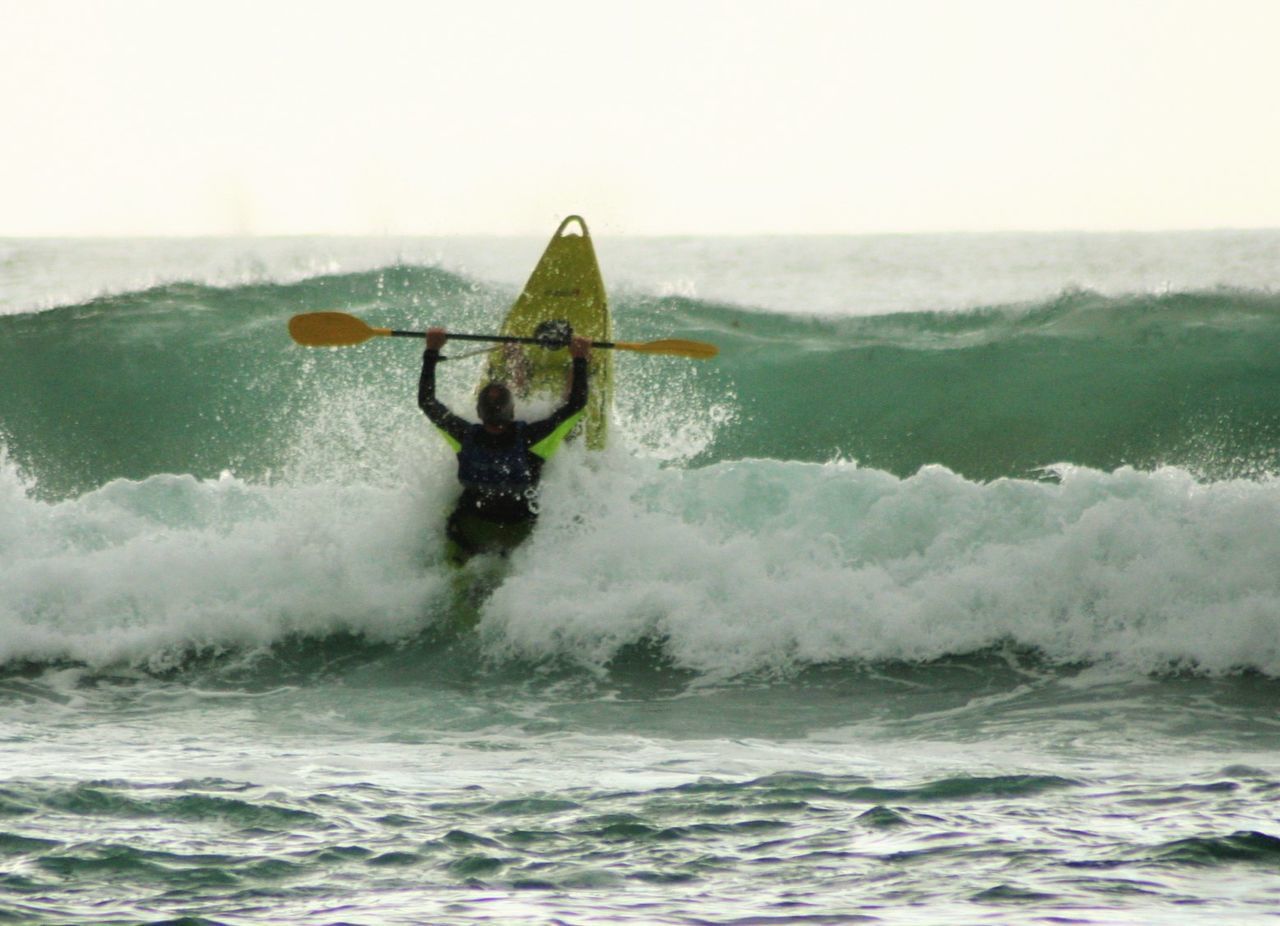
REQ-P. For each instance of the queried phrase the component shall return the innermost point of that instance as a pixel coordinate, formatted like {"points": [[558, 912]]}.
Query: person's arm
{"points": [[564, 417], [453, 427]]}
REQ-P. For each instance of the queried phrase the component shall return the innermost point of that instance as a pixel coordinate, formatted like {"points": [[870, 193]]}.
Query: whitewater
{"points": [[948, 592]]}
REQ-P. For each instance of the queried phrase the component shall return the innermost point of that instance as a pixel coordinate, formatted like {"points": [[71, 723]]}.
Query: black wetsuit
{"points": [[499, 471]]}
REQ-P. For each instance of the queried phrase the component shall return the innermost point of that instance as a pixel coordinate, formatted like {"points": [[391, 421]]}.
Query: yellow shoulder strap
{"points": [[551, 443]]}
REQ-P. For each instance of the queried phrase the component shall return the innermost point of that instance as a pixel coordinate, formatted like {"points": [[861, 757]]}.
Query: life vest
{"points": [[495, 469]]}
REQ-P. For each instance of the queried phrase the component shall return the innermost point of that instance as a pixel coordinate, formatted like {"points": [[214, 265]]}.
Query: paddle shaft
{"points": [[496, 338], [338, 329]]}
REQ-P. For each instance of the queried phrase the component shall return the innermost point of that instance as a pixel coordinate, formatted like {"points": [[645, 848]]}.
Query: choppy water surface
{"points": [[974, 788]]}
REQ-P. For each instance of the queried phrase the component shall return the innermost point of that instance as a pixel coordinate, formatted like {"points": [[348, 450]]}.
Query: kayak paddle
{"points": [[338, 329]]}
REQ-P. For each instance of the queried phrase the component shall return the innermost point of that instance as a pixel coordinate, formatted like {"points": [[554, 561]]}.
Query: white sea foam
{"points": [[745, 566], [760, 564], [146, 572]]}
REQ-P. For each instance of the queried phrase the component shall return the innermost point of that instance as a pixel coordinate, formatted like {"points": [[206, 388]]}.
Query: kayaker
{"points": [[500, 459]]}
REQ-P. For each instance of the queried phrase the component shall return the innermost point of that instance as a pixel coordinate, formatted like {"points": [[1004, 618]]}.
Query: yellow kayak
{"points": [[565, 288]]}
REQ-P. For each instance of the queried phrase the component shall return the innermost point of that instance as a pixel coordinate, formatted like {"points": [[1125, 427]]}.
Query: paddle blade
{"points": [[696, 350], [330, 329]]}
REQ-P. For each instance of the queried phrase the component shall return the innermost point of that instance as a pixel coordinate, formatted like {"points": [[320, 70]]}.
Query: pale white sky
{"points": [[168, 117]]}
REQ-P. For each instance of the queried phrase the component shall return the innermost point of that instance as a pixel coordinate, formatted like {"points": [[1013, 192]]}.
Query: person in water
{"points": [[500, 459]]}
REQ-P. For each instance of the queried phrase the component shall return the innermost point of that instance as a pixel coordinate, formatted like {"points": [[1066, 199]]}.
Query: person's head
{"points": [[495, 405]]}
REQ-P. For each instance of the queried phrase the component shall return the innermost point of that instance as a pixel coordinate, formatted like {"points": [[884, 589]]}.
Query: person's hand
{"points": [[579, 348], [436, 338]]}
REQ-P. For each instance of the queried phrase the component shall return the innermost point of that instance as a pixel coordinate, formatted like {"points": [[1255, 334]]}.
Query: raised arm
{"points": [[567, 413], [454, 428]]}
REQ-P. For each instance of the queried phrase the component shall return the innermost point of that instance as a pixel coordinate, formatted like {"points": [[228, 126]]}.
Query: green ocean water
{"points": [[187, 378], [917, 617]]}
